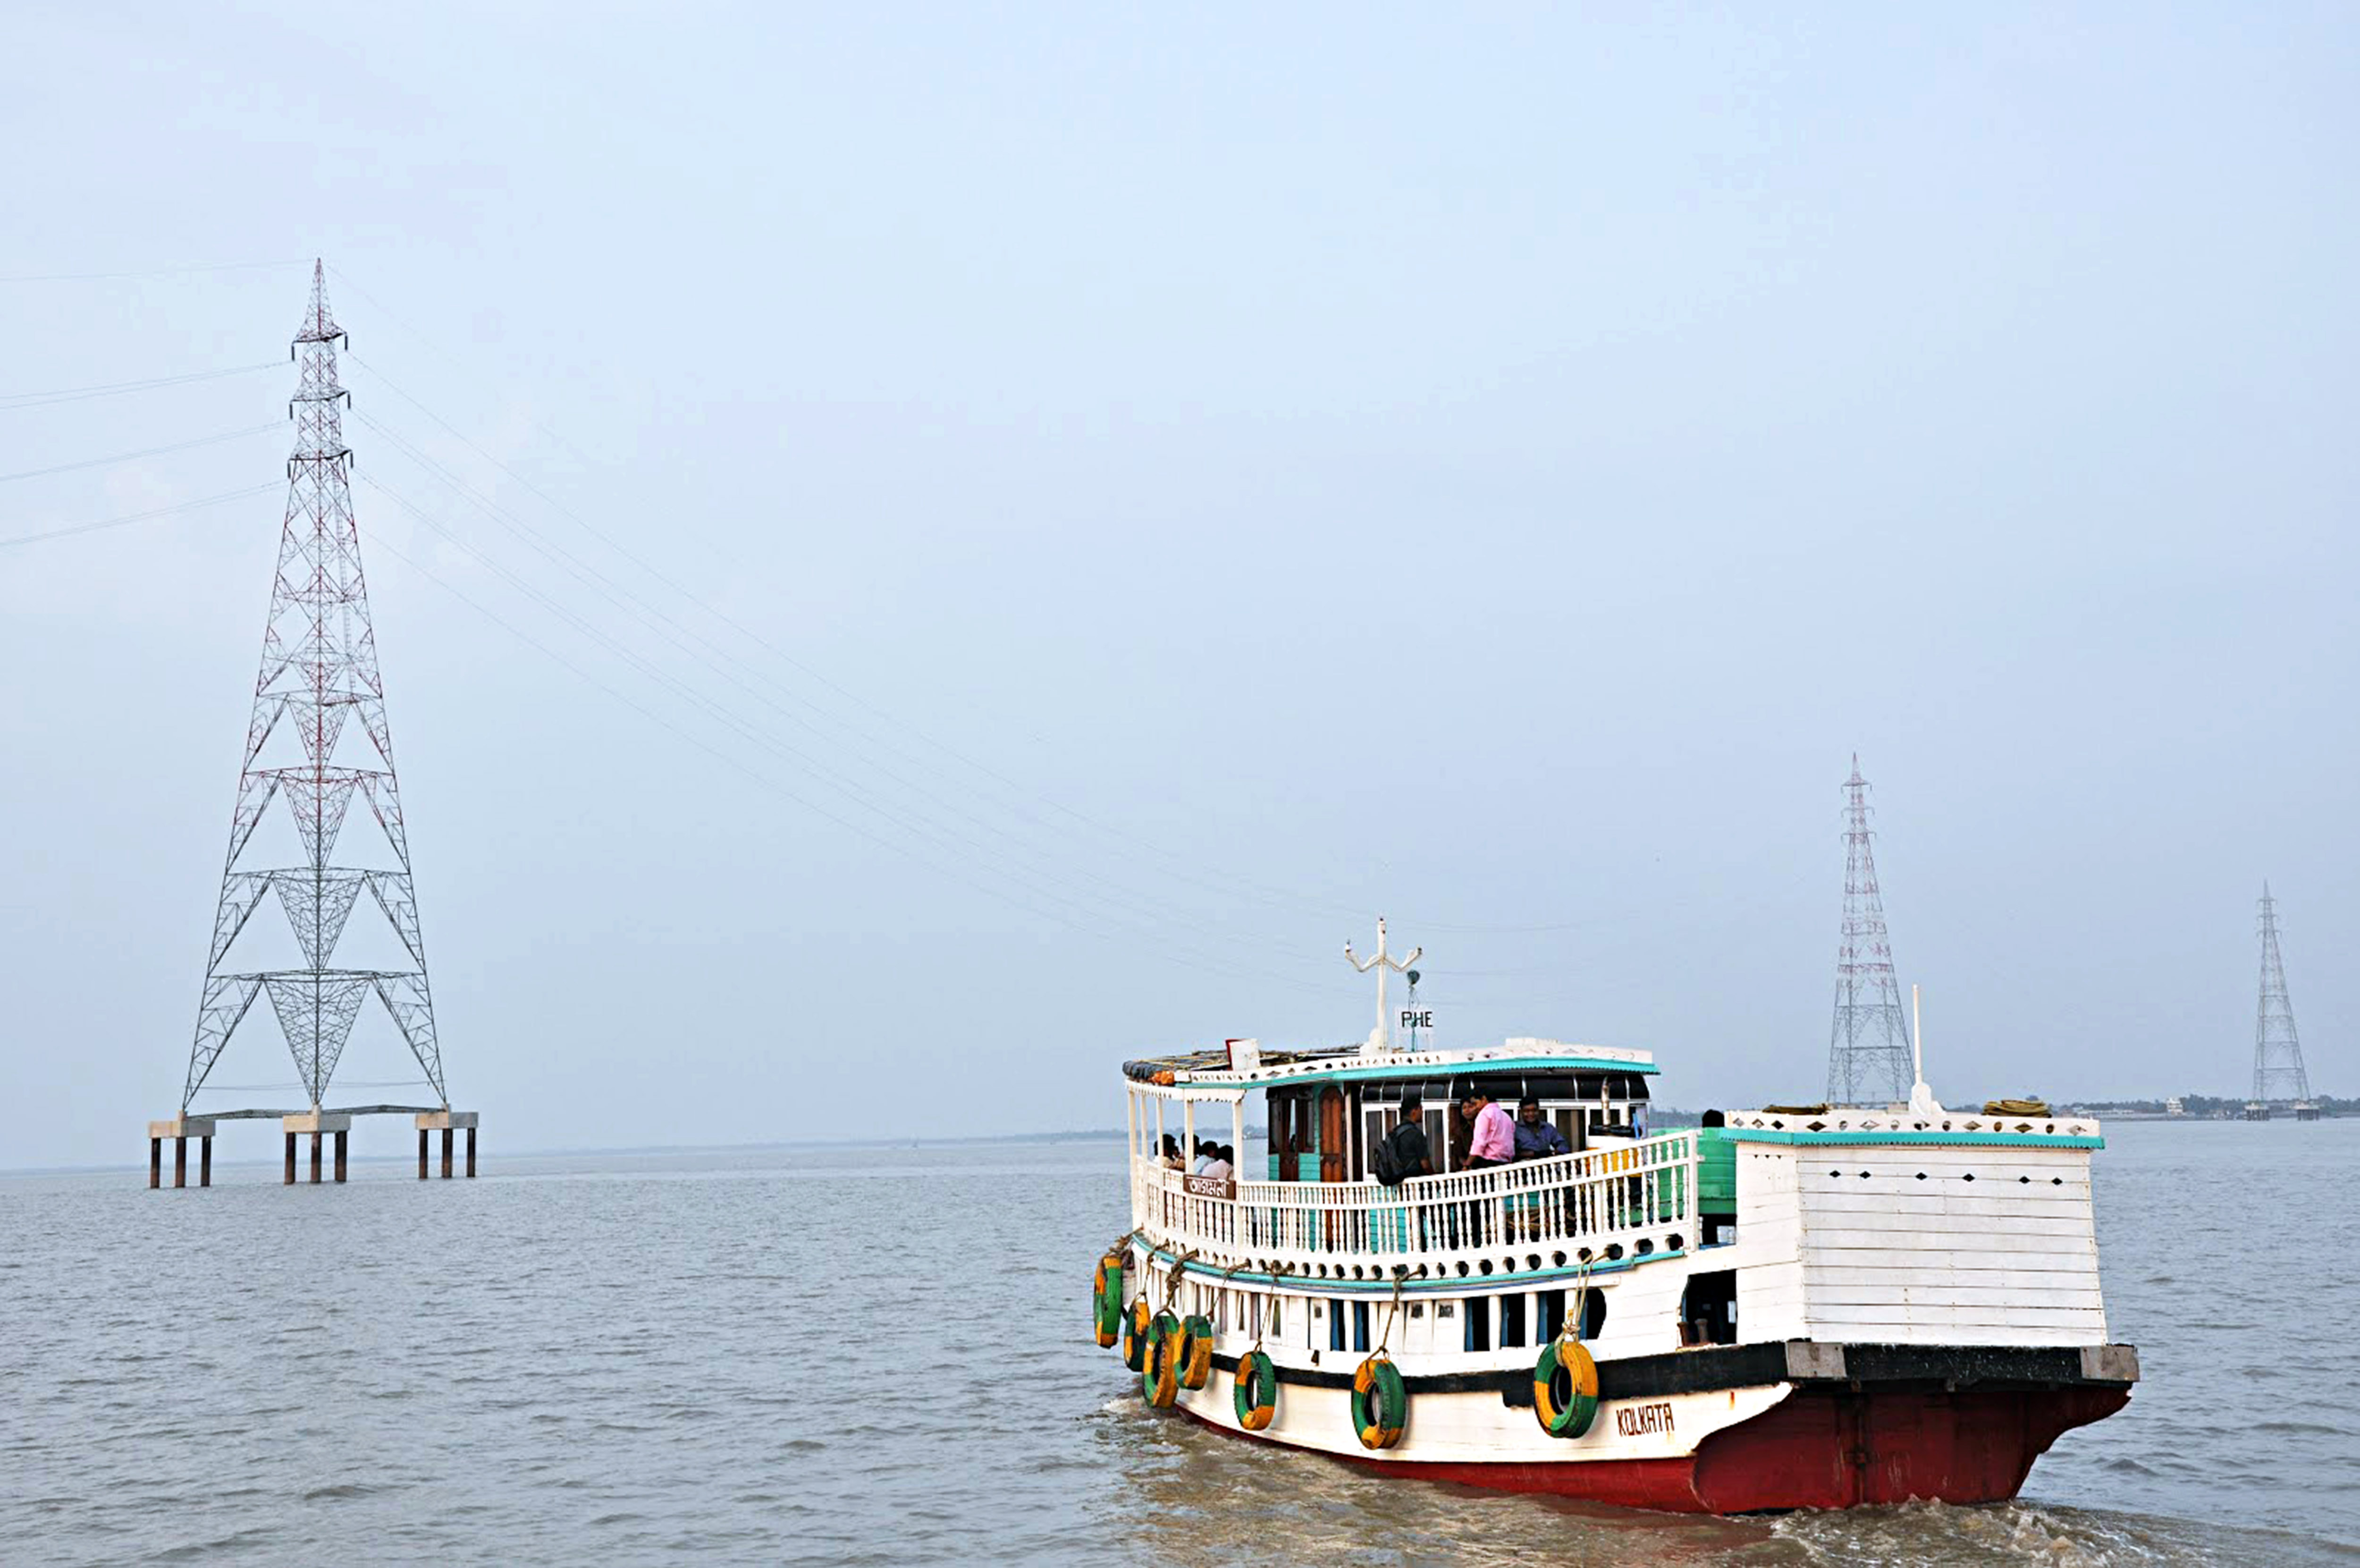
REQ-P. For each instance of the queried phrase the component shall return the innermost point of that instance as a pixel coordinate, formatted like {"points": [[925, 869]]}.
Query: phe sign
{"points": [[1418, 1020]]}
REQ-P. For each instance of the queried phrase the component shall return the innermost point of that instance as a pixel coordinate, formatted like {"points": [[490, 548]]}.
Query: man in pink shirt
{"points": [[1495, 1130]]}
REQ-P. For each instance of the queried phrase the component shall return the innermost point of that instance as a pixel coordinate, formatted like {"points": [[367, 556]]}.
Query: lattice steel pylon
{"points": [[319, 672], [1868, 1049], [2278, 1074]]}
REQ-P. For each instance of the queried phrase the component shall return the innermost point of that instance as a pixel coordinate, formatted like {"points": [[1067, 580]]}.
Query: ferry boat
{"points": [[1784, 1307]]}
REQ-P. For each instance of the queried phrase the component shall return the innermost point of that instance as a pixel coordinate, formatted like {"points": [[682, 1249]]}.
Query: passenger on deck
{"points": [[1495, 1130], [1405, 1151], [1537, 1138], [1223, 1165], [1204, 1156], [1171, 1160]]}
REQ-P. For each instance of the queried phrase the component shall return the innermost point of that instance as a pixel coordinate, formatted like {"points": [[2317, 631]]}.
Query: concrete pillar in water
{"points": [[318, 1123], [205, 1160], [180, 1129], [445, 1122]]}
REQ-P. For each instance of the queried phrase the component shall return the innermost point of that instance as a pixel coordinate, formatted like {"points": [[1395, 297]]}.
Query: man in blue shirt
{"points": [[1536, 1138]]}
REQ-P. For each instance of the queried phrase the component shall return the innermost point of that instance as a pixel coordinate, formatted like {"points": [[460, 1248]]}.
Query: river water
{"points": [[878, 1356]]}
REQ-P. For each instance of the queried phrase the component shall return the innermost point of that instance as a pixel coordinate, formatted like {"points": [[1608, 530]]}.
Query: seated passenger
{"points": [[1536, 1138], [1221, 1166], [1171, 1160], [1204, 1156]]}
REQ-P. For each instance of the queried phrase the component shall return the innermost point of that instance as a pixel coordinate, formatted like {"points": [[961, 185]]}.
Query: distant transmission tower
{"points": [[319, 676], [2279, 1076], [1868, 1050]]}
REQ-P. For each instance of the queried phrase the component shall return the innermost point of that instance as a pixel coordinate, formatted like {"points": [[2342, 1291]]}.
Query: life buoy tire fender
{"points": [[1195, 1351], [1565, 1388], [1135, 1325], [1159, 1379], [1253, 1392], [1380, 1403], [1105, 1300]]}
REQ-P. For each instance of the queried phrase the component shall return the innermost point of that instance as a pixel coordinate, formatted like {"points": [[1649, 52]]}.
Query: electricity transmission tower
{"points": [[319, 681], [1868, 1049], [2279, 1076]]}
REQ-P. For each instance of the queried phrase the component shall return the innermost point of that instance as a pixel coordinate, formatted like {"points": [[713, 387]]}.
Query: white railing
{"points": [[1597, 1200]]}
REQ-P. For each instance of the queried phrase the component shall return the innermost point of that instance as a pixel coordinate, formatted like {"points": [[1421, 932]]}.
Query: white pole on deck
{"points": [[1916, 1039], [1380, 1037]]}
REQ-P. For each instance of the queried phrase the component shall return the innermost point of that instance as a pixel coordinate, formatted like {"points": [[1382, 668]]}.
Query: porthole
{"points": [[1462, 1271], [1583, 1256], [1614, 1252], [1643, 1248], [1485, 1265], [1533, 1261], [1676, 1242], [1557, 1259]]}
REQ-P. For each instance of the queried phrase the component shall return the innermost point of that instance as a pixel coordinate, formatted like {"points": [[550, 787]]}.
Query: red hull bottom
{"points": [[1822, 1449]]}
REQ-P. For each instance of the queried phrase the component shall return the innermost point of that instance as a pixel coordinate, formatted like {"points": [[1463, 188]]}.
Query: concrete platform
{"points": [[316, 1121], [446, 1122], [181, 1129]]}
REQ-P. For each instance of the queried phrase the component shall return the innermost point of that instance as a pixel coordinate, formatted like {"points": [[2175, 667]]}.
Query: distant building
{"points": [[2175, 1106]]}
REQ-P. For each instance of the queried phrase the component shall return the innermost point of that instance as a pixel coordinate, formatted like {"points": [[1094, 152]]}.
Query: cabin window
{"points": [[1478, 1333], [1359, 1325], [1336, 1326], [1708, 1310], [1512, 1322], [1550, 1316]]}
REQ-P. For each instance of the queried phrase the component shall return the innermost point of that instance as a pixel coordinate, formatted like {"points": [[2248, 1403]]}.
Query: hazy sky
{"points": [[1198, 481]]}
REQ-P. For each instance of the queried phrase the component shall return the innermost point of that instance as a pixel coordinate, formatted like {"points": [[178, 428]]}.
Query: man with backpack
{"points": [[1400, 1155], [1404, 1153]]}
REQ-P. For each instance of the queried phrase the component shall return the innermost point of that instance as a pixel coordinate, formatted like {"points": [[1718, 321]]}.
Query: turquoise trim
{"points": [[1473, 1285], [2020, 1140], [1438, 1070]]}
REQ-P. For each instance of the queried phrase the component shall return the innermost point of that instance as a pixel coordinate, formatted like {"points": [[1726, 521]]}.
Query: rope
{"points": [[1578, 1313], [1391, 1313], [1171, 1282]]}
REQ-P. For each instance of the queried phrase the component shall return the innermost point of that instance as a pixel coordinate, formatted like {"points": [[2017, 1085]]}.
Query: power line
{"points": [[137, 516], [1001, 894], [149, 273], [1177, 865], [112, 388], [134, 456]]}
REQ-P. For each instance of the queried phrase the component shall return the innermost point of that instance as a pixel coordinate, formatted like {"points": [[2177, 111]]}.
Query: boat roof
{"points": [[1520, 1053]]}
